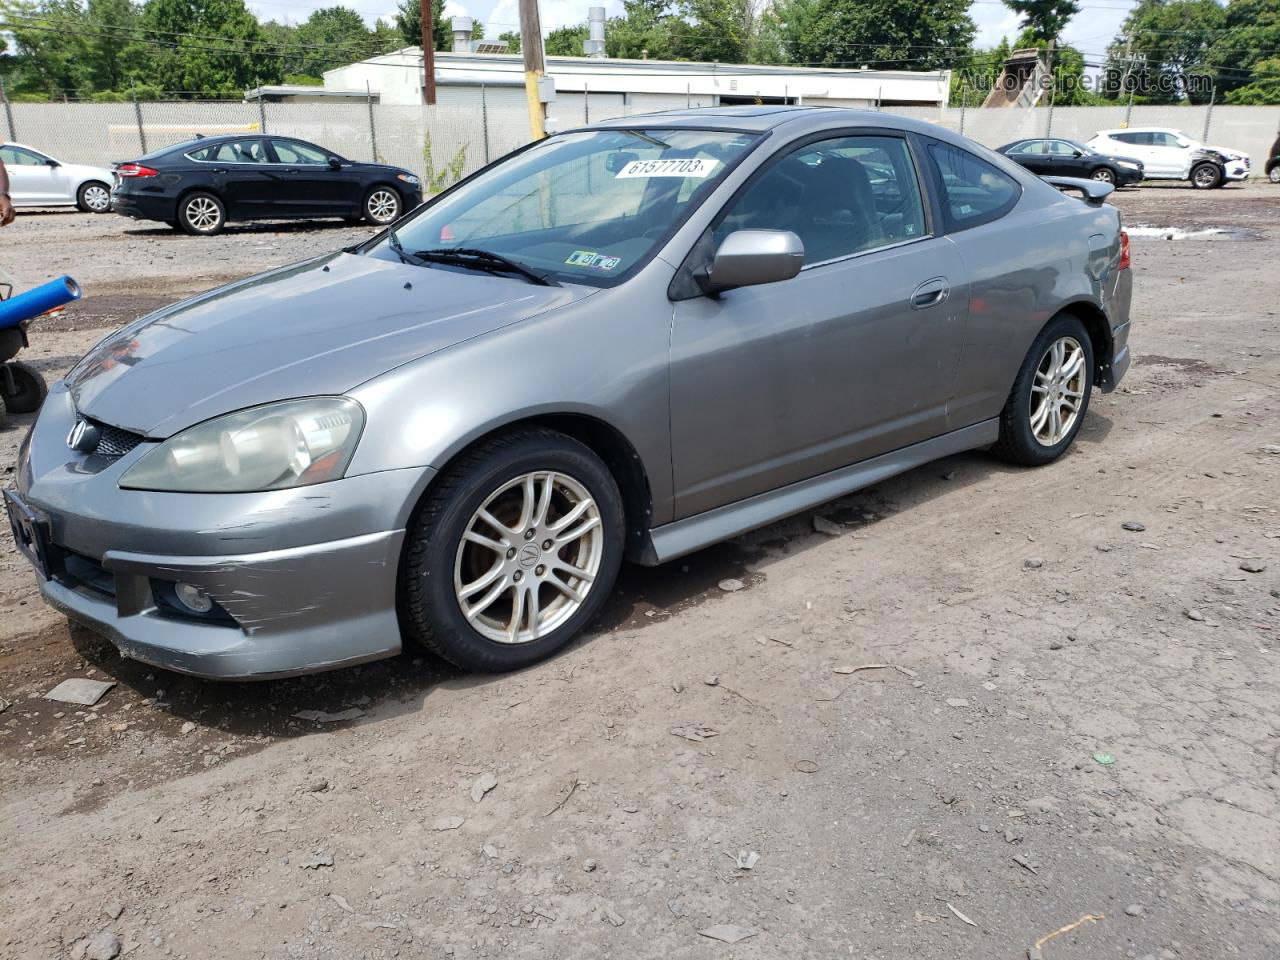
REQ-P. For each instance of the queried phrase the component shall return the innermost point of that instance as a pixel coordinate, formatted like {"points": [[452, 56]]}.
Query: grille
{"points": [[114, 442]]}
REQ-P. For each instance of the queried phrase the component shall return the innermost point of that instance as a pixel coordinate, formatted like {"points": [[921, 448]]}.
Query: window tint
{"points": [[840, 196], [973, 191], [1060, 148], [17, 157], [1127, 137], [291, 151], [1030, 146], [234, 151], [1163, 139]]}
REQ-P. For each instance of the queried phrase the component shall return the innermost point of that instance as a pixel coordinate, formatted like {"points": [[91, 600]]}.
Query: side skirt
{"points": [[673, 540]]}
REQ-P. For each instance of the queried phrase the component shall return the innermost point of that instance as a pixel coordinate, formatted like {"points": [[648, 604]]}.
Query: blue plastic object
{"points": [[40, 300]]}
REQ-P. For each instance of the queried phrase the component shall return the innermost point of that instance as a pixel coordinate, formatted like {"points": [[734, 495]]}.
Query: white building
{"points": [[636, 86]]}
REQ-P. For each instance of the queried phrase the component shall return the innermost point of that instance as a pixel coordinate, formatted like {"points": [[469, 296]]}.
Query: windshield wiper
{"points": [[482, 260], [398, 249], [648, 138]]}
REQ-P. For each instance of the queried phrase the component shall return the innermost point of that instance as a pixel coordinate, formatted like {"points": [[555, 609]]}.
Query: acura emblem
{"points": [[84, 437]]}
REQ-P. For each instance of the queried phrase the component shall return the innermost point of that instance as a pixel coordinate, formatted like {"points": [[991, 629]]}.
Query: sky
{"points": [[1090, 31]]}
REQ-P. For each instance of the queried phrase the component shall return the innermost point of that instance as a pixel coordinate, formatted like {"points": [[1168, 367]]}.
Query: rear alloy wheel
{"points": [[28, 387], [94, 197], [1206, 176], [513, 552], [1050, 395], [382, 206], [201, 214], [1103, 175]]}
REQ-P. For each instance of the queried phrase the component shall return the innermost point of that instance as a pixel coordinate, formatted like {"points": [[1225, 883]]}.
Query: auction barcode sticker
{"points": [[686, 167]]}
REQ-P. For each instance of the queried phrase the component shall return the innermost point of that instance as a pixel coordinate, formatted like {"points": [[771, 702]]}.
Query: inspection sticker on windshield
{"points": [[687, 167], [596, 261]]}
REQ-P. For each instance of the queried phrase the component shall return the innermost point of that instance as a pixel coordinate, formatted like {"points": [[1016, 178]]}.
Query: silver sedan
{"points": [[626, 341]]}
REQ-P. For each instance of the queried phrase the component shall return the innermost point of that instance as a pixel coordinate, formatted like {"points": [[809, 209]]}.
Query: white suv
{"points": [[1172, 155]]}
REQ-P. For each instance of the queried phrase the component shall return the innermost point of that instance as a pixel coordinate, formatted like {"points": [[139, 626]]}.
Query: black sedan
{"points": [[199, 185], [1067, 158]]}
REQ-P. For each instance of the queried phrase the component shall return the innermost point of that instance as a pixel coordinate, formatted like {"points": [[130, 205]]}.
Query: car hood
{"points": [[322, 326], [80, 171]]}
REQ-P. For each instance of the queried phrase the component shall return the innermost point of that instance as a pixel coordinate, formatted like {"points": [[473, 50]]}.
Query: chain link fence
{"points": [[472, 125]]}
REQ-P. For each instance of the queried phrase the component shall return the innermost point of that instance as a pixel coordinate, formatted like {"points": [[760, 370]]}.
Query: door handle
{"points": [[219, 170], [930, 293]]}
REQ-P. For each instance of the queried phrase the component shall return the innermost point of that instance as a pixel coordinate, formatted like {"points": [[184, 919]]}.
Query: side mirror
{"points": [[750, 257], [335, 163], [1076, 153], [52, 163]]}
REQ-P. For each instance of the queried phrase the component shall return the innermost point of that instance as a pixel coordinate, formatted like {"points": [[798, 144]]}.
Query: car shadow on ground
{"points": [[642, 597]]}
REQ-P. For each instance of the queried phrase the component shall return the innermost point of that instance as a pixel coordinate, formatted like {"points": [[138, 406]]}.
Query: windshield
{"points": [[586, 207]]}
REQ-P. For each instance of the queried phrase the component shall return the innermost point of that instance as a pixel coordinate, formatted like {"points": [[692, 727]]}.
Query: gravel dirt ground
{"points": [[1058, 717]]}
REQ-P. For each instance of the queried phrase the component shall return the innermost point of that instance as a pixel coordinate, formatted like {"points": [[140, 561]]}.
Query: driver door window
{"points": [[290, 151], [841, 197]]}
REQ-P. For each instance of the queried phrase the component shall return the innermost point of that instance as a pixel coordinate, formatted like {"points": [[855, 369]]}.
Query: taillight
{"points": [[135, 170], [1124, 250]]}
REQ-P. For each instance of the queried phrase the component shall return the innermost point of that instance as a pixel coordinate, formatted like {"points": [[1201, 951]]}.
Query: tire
{"points": [[1103, 175], [382, 205], [201, 214], [437, 564], [29, 387], [1274, 173], [94, 197], [1206, 176], [1021, 440]]}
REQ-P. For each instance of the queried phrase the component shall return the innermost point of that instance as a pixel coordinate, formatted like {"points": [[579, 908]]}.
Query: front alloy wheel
{"points": [[382, 206], [1206, 176], [529, 558], [512, 552], [1104, 175], [1274, 174]]}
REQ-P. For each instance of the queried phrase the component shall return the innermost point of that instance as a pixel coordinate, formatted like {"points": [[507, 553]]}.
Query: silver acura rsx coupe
{"points": [[629, 340]]}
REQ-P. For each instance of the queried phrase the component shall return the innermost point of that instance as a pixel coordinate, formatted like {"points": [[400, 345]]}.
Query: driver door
{"points": [[852, 358]]}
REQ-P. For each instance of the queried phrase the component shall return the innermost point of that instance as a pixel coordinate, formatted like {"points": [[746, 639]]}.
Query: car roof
{"points": [[760, 119]]}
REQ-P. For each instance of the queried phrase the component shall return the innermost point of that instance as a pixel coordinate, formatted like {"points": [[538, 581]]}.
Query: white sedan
{"points": [[38, 180]]}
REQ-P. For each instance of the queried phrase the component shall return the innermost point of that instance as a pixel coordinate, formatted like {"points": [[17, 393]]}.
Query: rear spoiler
{"points": [[1095, 192]]}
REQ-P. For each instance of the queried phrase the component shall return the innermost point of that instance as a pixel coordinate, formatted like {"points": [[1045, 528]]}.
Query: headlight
{"points": [[272, 447], [1128, 163], [408, 178]]}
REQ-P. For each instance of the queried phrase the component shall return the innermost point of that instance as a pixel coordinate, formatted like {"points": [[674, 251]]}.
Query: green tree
{"points": [[1045, 19], [891, 34], [185, 59], [1161, 45], [565, 41], [513, 40], [409, 21], [48, 56], [647, 29], [716, 31], [1265, 88], [975, 73], [1250, 39], [331, 37]]}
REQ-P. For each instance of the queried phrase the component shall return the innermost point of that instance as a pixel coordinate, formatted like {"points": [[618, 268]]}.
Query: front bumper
{"points": [[1236, 170], [305, 579]]}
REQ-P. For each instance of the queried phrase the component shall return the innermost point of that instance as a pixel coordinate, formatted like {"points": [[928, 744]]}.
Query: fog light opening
{"points": [[193, 598]]}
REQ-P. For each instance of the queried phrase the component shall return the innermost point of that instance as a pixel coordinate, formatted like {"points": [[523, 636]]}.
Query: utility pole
{"points": [[428, 52], [534, 65]]}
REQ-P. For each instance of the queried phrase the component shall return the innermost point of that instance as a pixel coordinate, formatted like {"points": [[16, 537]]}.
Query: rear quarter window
{"points": [[972, 191]]}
